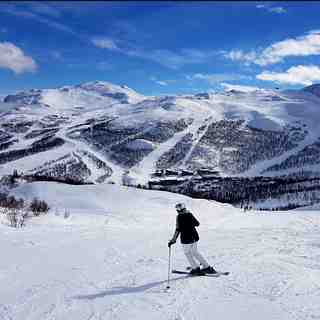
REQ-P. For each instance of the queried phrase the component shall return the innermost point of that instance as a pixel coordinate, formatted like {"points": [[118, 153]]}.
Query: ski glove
{"points": [[171, 242]]}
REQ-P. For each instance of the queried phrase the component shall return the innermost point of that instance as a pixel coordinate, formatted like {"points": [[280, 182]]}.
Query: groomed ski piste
{"points": [[109, 259]]}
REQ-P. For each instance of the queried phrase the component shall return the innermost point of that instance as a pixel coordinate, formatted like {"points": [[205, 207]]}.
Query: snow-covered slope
{"points": [[77, 96], [263, 132], [109, 259], [314, 89]]}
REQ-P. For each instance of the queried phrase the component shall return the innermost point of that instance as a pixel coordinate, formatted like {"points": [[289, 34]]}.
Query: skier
{"points": [[185, 227]]}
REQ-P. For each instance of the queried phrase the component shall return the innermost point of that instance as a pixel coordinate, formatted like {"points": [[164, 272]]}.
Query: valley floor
{"points": [[109, 260]]}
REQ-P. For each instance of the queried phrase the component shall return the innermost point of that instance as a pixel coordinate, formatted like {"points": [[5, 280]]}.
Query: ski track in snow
{"points": [[113, 265], [30, 162], [79, 145], [263, 165], [147, 165], [197, 139]]}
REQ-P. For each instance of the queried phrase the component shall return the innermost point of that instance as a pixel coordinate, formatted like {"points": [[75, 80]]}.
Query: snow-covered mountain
{"points": [[71, 96], [97, 131], [314, 89]]}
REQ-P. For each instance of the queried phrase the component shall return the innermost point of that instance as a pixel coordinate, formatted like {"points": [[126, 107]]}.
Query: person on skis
{"points": [[186, 225]]}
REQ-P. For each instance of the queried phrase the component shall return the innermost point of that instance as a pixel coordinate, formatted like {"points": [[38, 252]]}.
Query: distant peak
{"points": [[121, 93], [105, 85], [96, 83], [314, 89], [316, 85]]}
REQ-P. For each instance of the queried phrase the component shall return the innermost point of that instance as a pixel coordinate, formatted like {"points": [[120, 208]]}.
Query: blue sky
{"points": [[159, 48]]}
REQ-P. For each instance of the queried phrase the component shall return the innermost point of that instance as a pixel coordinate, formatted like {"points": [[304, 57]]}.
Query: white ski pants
{"points": [[193, 255]]}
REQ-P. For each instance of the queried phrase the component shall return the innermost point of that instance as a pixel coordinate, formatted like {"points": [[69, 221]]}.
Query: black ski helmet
{"points": [[180, 206]]}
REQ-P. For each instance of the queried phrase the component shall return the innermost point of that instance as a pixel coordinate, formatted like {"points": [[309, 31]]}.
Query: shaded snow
{"points": [[314, 89], [140, 144]]}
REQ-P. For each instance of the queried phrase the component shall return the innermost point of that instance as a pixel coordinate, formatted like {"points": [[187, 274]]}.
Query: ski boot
{"points": [[196, 272], [209, 270]]}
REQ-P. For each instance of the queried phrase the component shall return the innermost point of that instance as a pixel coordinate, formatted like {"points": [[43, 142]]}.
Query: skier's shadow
{"points": [[124, 290]]}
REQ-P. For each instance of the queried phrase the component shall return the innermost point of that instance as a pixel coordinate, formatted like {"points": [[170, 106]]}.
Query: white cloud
{"points": [[239, 55], [237, 87], [171, 59], [305, 75], [105, 43], [46, 9], [128, 40], [215, 78], [162, 82], [29, 15], [306, 45], [271, 9], [277, 10], [301, 46], [13, 58], [316, 31], [165, 57]]}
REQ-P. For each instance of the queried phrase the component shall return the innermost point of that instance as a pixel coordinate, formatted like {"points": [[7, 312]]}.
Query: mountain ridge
{"points": [[104, 132]]}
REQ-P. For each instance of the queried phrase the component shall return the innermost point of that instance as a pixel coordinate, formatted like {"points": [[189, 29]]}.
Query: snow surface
{"points": [[140, 144], [314, 89], [28, 163], [109, 259], [5, 107]]}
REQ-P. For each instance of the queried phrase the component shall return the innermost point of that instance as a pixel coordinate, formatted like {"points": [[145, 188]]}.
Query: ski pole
{"points": [[169, 267]]}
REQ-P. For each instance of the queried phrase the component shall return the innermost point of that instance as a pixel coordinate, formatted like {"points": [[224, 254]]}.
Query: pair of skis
{"points": [[188, 274], [217, 274]]}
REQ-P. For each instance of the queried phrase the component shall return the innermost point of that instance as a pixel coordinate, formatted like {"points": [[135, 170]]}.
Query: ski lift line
{"points": [[208, 121]]}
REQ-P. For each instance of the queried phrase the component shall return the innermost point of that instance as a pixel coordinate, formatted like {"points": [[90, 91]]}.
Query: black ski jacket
{"points": [[185, 226]]}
